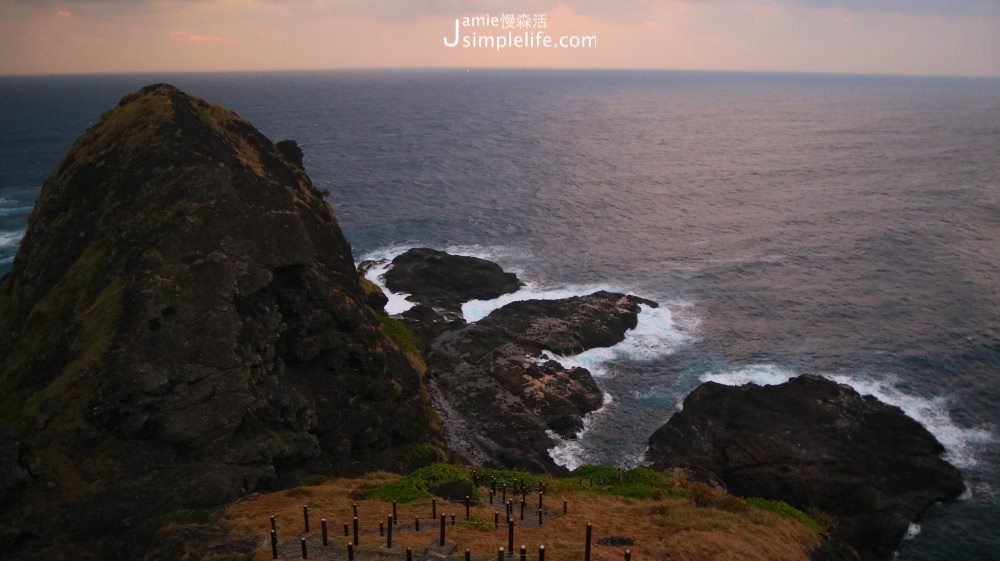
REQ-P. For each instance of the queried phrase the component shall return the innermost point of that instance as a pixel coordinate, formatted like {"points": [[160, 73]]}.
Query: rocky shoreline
{"points": [[499, 397], [184, 325]]}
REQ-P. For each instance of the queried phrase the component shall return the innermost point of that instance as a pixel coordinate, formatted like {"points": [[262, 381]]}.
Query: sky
{"points": [[923, 37]]}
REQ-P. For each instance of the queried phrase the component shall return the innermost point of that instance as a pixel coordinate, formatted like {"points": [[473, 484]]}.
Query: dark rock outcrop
{"points": [[499, 399], [445, 281], [184, 324], [814, 443]]}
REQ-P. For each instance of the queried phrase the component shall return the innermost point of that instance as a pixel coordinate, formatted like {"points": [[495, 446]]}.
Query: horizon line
{"points": [[494, 68]]}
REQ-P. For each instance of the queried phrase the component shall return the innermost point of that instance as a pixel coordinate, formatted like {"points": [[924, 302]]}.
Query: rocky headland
{"points": [[183, 325]]}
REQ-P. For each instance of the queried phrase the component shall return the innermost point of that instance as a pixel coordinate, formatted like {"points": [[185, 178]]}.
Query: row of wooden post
{"points": [[441, 541], [393, 520]]}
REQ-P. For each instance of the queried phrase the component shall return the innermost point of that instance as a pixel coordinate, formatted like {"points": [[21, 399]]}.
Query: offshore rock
{"points": [[814, 443], [445, 281]]}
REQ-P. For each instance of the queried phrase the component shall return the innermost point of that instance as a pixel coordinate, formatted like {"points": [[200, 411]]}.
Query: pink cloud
{"points": [[88, 40], [201, 39], [63, 13]]}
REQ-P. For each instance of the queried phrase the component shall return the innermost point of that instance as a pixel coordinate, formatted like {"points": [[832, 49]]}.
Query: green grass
{"points": [[506, 477], [399, 333], [639, 483], [784, 509], [477, 523], [416, 485]]}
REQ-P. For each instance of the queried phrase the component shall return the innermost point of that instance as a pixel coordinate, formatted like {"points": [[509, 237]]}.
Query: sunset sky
{"points": [[957, 37]]}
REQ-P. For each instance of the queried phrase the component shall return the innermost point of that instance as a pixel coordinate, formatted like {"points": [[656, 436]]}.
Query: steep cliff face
{"points": [[184, 324]]}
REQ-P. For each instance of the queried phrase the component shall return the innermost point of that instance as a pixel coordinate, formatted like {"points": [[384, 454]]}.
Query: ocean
{"points": [[847, 226]]}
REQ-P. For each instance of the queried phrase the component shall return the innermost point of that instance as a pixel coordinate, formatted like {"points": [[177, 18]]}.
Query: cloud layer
{"points": [[959, 37]]}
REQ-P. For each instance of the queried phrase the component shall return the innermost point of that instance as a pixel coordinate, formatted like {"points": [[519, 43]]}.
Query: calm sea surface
{"points": [[841, 225]]}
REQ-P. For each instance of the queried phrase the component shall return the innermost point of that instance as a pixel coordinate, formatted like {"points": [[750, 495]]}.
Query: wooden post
{"points": [[350, 551], [356, 542], [347, 529], [434, 509], [305, 516], [468, 555], [541, 553], [510, 536], [409, 554], [467, 504], [381, 528], [493, 486], [355, 508], [416, 524], [540, 493], [524, 553], [565, 507], [500, 555], [539, 517], [491, 497], [522, 510], [322, 523], [274, 544], [452, 519], [496, 520], [628, 555], [395, 516], [305, 552], [388, 533], [586, 551], [274, 524], [441, 532]]}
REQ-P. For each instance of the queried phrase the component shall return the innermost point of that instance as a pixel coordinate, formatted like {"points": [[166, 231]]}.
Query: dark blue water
{"points": [[848, 226]]}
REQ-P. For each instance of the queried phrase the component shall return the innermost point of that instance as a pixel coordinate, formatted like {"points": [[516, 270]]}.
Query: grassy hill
{"points": [[665, 516]]}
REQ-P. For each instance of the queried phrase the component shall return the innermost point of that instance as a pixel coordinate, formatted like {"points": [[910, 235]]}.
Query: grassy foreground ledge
{"points": [[667, 517]]}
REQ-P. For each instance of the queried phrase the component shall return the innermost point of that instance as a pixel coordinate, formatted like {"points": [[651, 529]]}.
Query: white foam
{"points": [[475, 310], [382, 259], [400, 302], [760, 374], [11, 239], [655, 336], [569, 452], [15, 211], [960, 443], [912, 531]]}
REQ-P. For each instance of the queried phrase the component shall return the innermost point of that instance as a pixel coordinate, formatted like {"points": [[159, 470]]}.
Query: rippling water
{"points": [[840, 225]]}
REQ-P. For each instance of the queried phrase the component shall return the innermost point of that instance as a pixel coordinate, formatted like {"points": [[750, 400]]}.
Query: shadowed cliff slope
{"points": [[183, 324]]}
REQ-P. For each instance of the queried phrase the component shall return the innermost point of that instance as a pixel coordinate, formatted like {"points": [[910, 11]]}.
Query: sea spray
{"points": [[11, 239], [569, 452], [380, 263], [655, 336]]}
